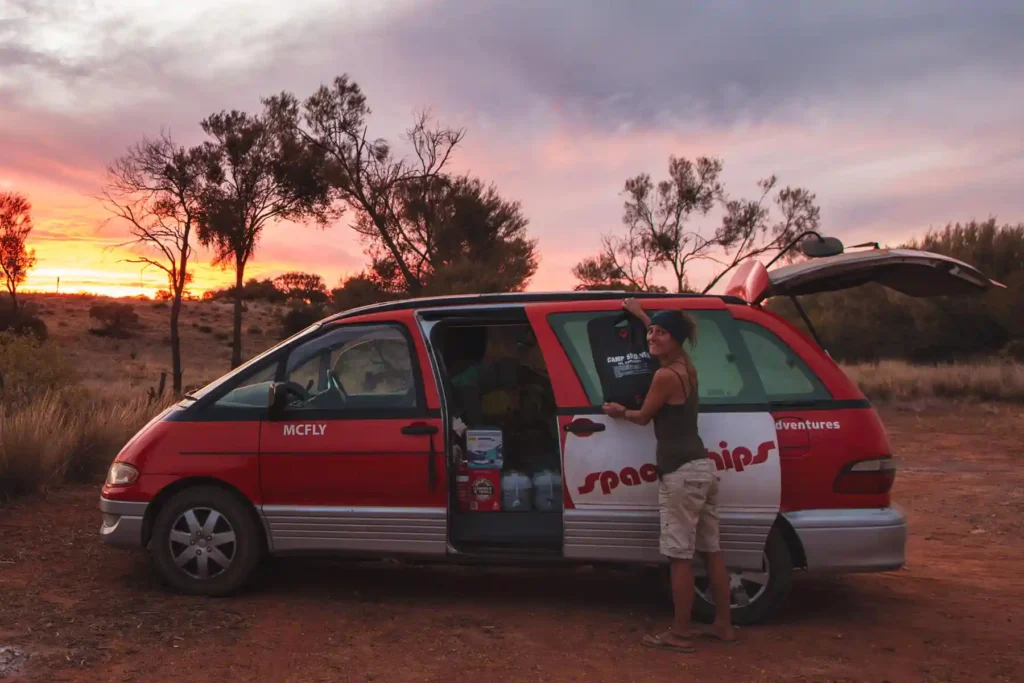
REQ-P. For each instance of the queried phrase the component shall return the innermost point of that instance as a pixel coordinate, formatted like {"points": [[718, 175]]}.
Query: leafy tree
{"points": [[307, 287], [459, 236], [662, 230], [356, 291], [365, 174], [261, 173], [157, 188], [15, 259]]}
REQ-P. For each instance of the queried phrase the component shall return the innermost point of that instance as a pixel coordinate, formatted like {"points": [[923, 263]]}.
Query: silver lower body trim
{"points": [[122, 523], [404, 531], [851, 540], [634, 536]]}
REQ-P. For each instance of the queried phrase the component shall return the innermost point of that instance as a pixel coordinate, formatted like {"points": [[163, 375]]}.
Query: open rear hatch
{"points": [[915, 273]]}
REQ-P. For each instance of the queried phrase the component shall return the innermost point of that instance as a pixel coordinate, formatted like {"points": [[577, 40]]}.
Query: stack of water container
{"points": [[521, 493]]}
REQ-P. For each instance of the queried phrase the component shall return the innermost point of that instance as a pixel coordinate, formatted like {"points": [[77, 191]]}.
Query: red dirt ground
{"points": [[79, 611]]}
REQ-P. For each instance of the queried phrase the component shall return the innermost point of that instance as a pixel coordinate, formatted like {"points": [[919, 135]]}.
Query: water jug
{"points": [[516, 492], [547, 487]]}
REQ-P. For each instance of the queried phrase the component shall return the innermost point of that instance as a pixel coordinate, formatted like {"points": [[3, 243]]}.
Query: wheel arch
{"points": [[169, 491], [792, 538]]}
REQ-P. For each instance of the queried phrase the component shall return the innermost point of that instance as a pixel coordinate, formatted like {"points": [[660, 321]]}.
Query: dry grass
{"points": [[62, 436], [68, 406], [996, 380]]}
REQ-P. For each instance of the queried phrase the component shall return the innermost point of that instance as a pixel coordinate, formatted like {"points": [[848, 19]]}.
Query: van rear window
{"points": [[783, 373]]}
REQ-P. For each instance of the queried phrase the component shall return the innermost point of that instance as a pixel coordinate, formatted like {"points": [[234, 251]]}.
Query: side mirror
{"points": [[820, 247]]}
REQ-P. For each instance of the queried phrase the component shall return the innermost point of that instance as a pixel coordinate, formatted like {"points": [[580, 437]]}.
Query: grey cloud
{"points": [[646, 63]]}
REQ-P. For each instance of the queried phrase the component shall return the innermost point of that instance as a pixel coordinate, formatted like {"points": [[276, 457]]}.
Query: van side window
{"points": [[715, 355], [251, 392], [783, 373], [354, 367]]}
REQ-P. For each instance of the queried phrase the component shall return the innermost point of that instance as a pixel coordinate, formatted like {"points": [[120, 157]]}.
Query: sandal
{"points": [[710, 634], [661, 642]]}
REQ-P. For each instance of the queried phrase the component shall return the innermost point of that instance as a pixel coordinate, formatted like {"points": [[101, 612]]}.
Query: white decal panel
{"points": [[615, 467]]}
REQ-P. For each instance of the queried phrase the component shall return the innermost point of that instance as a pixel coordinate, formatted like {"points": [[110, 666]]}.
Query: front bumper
{"points": [[851, 540], [122, 523]]}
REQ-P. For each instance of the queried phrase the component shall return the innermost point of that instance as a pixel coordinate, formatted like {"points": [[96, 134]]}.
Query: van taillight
{"points": [[875, 475]]}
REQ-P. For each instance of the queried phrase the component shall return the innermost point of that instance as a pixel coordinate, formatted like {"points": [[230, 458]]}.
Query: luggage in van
{"points": [[625, 368]]}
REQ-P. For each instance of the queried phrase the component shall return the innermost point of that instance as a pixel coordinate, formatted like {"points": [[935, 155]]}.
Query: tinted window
{"points": [[354, 367], [717, 355], [783, 373], [251, 392]]}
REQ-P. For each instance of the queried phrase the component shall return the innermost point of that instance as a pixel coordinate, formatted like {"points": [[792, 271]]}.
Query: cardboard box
{"points": [[484, 448], [484, 490]]}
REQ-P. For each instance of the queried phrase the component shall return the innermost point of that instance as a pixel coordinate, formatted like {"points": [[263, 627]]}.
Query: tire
{"points": [[764, 602], [176, 534]]}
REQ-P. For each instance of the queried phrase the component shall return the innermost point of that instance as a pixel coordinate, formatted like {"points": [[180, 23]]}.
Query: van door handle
{"points": [[584, 426], [419, 430]]}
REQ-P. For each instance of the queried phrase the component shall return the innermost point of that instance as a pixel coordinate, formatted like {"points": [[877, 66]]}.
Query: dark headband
{"points": [[673, 323]]}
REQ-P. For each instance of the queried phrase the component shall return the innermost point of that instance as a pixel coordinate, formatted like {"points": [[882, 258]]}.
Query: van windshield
{"points": [[220, 381]]}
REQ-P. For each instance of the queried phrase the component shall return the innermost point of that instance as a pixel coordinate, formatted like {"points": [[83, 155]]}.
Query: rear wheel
{"points": [[755, 594], [205, 541]]}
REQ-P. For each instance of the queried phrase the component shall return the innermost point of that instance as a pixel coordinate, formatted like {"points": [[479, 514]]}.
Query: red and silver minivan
{"points": [[351, 437]]}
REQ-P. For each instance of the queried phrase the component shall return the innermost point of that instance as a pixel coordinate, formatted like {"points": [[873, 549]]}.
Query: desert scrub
{"points": [[52, 430], [891, 380]]}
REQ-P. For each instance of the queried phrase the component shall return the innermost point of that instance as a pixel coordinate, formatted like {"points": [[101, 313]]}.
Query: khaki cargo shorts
{"points": [[688, 498]]}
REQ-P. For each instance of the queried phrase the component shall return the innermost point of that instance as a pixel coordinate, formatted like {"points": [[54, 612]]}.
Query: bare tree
{"points": [[15, 259], [157, 189], [747, 230], [365, 173], [662, 229], [260, 173]]}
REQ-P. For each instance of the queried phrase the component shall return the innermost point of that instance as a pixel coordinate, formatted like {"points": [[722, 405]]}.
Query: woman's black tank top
{"points": [[675, 427]]}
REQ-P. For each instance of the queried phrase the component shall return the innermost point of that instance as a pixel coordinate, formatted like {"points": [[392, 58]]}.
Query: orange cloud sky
{"points": [[897, 124]]}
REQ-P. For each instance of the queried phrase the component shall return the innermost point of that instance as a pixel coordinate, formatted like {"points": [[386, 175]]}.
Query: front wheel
{"points": [[755, 594], [205, 541]]}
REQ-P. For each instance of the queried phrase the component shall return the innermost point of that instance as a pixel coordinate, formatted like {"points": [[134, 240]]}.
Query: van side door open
{"points": [[355, 459], [610, 480]]}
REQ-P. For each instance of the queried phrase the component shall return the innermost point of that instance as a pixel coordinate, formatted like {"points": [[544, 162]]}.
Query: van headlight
{"points": [[121, 474]]}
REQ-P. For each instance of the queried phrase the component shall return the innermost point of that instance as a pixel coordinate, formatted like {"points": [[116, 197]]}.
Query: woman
{"points": [[688, 480]]}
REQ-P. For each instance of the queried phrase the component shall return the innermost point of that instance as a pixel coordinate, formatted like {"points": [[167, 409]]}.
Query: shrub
{"points": [[68, 435], [26, 321], [299, 318], [118, 320], [1014, 350], [30, 367]]}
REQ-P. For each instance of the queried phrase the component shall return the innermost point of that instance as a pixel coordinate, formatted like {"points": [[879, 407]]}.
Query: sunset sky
{"points": [[899, 115]]}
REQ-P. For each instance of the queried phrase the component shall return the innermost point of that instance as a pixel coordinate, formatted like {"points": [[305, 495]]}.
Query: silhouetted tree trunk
{"points": [[156, 188]]}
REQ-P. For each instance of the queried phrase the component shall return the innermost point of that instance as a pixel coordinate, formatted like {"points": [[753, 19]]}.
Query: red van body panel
{"points": [[170, 450], [815, 445], [358, 461]]}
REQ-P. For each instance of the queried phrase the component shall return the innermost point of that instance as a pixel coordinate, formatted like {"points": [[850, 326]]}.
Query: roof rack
{"points": [[520, 298]]}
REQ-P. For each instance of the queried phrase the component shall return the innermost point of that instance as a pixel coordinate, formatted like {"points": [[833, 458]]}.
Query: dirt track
{"points": [[83, 612]]}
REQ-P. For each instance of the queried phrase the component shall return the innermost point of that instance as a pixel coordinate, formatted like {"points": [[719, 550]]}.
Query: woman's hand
{"points": [[634, 307], [614, 410]]}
